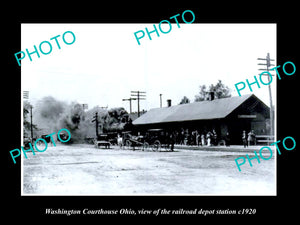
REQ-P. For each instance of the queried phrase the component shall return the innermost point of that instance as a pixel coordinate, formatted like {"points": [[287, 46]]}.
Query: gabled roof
{"points": [[205, 110]]}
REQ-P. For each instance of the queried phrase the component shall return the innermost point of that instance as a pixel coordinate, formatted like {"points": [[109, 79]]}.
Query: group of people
{"points": [[196, 138], [248, 139], [210, 138], [205, 138]]}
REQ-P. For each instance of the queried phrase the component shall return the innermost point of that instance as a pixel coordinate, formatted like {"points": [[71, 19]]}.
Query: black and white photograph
{"points": [[150, 111], [129, 109]]}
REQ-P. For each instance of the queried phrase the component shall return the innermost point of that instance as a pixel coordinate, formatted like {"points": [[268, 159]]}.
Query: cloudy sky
{"points": [[105, 62]]}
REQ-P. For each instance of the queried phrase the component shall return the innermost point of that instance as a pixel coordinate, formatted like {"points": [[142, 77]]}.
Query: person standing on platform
{"points": [[244, 138], [172, 140], [251, 138], [197, 138], [227, 139], [214, 137], [202, 139], [208, 137]]}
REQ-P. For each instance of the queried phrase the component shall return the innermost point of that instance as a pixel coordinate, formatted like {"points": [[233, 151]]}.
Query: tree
{"points": [[220, 90], [202, 94], [26, 123], [184, 100]]}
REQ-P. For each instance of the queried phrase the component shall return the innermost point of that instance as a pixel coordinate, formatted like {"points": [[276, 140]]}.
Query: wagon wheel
{"points": [[128, 144], [146, 146], [156, 145]]}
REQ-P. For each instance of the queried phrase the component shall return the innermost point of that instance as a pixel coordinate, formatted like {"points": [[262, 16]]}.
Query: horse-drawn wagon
{"points": [[134, 142], [154, 139]]}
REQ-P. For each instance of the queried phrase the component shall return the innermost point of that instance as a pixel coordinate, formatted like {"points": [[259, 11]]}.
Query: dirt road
{"points": [[85, 170]]}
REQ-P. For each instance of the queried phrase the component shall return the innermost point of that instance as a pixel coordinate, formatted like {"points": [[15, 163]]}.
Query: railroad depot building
{"points": [[233, 115]]}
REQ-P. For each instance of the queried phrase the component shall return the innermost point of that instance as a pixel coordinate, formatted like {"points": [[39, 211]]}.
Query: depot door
{"points": [[236, 129]]}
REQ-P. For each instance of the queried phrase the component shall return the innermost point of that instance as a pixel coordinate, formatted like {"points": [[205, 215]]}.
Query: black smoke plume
{"points": [[51, 115]]}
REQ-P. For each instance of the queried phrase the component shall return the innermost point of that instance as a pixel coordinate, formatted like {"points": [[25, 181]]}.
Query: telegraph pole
{"points": [[97, 123], [129, 99], [268, 64], [160, 100], [26, 96], [84, 106], [140, 95], [31, 131]]}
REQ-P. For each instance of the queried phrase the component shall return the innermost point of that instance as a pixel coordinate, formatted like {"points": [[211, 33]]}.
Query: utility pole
{"points": [[103, 107], [84, 106], [160, 100], [31, 131], [268, 64], [129, 99], [26, 96], [97, 123], [140, 95]]}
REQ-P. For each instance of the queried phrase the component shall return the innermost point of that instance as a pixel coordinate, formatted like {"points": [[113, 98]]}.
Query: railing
{"points": [[268, 139]]}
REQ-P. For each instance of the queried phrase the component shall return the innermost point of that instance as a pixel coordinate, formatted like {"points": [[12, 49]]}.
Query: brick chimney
{"points": [[169, 101], [211, 96]]}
